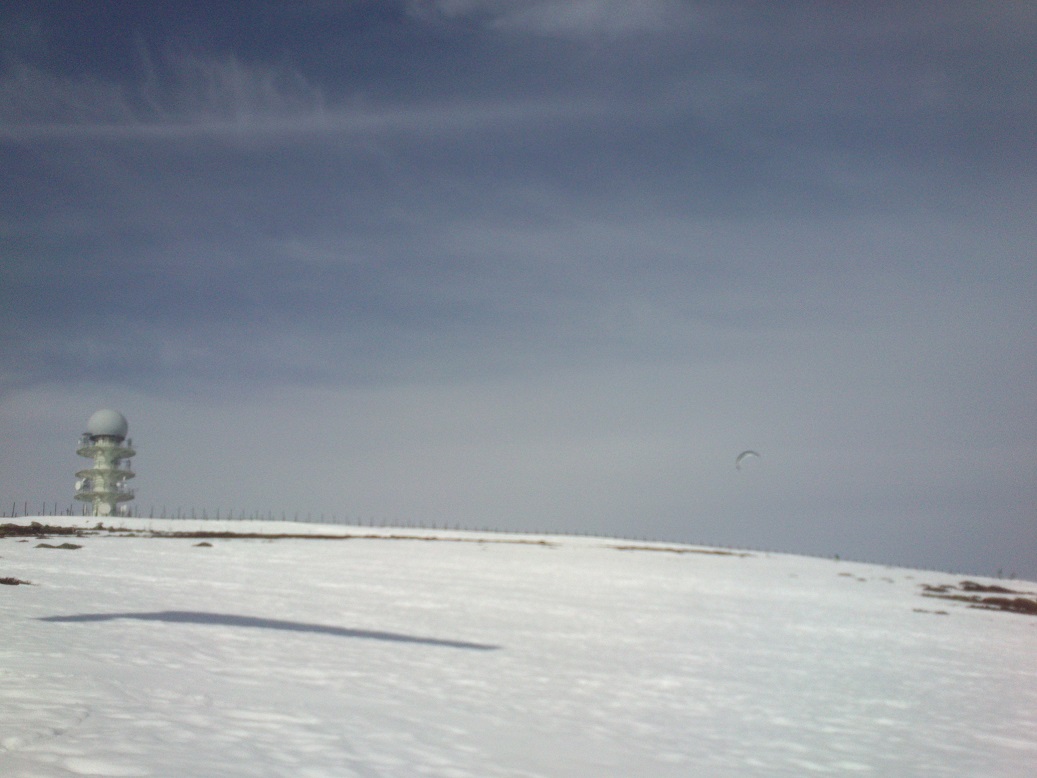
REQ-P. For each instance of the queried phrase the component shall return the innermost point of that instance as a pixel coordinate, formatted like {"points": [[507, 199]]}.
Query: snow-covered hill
{"points": [[456, 654]]}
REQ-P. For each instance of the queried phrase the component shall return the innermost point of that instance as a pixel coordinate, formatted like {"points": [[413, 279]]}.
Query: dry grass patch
{"points": [[975, 596]]}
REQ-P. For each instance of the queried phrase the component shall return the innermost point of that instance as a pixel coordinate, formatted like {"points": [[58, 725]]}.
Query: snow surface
{"points": [[477, 655]]}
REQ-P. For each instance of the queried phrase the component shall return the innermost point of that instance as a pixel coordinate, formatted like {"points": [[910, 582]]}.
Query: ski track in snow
{"points": [[375, 658]]}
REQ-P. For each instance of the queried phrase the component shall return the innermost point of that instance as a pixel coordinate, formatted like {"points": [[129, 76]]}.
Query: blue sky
{"points": [[535, 265]]}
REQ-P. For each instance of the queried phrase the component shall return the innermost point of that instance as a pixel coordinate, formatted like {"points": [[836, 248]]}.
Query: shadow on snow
{"points": [[230, 620]]}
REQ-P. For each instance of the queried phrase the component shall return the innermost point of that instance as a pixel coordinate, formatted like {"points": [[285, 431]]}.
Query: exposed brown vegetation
{"points": [[974, 598], [14, 582], [373, 536], [1014, 604], [679, 550], [36, 530], [972, 586], [40, 531]]}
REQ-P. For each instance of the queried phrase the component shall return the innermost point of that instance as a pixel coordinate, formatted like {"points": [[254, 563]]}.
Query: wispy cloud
{"points": [[187, 94], [566, 18]]}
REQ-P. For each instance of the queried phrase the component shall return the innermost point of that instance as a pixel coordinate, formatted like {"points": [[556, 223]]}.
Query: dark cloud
{"points": [[566, 258]]}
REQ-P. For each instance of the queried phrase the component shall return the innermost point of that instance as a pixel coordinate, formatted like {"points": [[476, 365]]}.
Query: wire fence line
{"points": [[26, 508]]}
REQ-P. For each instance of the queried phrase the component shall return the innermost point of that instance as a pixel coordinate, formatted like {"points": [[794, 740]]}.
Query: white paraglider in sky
{"points": [[743, 456]]}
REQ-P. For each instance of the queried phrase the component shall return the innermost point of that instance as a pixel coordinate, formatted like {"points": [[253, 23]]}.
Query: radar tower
{"points": [[103, 486]]}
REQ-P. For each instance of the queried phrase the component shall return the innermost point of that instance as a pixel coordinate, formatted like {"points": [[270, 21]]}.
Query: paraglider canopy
{"points": [[743, 456]]}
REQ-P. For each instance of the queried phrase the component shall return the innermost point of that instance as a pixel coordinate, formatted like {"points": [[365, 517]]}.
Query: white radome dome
{"points": [[110, 423]]}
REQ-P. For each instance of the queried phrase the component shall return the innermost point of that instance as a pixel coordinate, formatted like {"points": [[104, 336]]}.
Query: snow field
{"points": [[380, 657]]}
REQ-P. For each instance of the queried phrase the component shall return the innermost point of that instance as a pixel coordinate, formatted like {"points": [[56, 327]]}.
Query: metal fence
{"points": [[34, 509]]}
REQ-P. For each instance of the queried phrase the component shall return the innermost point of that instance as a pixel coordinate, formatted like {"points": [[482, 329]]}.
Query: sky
{"points": [[543, 266]]}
